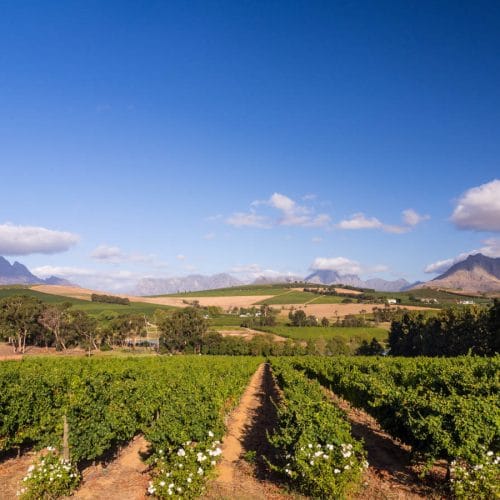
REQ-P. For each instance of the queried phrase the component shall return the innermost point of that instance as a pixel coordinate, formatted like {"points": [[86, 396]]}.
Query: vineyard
{"points": [[445, 409]]}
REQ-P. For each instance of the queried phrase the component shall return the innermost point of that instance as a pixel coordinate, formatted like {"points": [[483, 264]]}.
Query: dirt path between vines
{"points": [[246, 434], [390, 474], [12, 471], [125, 477]]}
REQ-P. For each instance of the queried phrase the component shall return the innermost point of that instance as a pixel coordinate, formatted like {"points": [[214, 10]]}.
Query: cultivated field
{"points": [[285, 300]]}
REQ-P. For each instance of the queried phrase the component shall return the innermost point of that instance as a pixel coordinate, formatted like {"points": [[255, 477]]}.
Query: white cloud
{"points": [[441, 266], [317, 239], [343, 265], [491, 247], [115, 255], [409, 217], [209, 236], [181, 257], [254, 271], [25, 240], [62, 271], [291, 214], [105, 252], [241, 219], [340, 264], [412, 218], [359, 221], [294, 214], [479, 208]]}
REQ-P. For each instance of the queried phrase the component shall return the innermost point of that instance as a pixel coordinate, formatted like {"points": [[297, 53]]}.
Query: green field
{"points": [[225, 320], [290, 297], [328, 299], [316, 332], [92, 308]]}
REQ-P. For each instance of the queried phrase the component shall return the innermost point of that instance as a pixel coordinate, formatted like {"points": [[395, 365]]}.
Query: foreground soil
{"points": [[247, 427], [12, 471], [126, 477]]}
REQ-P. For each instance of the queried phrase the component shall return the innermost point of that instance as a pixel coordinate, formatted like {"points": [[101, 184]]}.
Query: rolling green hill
{"points": [[93, 308]]}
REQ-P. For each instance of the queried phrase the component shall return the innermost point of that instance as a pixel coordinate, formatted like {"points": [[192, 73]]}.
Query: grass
{"points": [[225, 320], [92, 308], [290, 297], [316, 332], [328, 299]]}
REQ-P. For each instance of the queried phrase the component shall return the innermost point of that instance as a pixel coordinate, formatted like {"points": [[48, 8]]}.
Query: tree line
{"points": [[453, 332], [26, 320]]}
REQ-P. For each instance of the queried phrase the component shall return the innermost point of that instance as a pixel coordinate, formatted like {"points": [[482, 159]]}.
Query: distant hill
{"points": [[19, 274], [477, 273], [326, 277], [191, 283]]}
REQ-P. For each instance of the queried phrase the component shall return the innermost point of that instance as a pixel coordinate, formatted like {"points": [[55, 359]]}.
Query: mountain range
{"points": [[325, 277], [19, 274], [477, 273]]}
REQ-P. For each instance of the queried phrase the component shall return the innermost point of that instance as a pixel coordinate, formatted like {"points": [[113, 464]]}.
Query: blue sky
{"points": [[164, 138]]}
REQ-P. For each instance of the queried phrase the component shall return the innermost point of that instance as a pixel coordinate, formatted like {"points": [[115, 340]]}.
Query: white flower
{"points": [[162, 483], [336, 471], [181, 452], [189, 480], [311, 462], [200, 471], [30, 468], [309, 445], [210, 434], [489, 454], [347, 467]]}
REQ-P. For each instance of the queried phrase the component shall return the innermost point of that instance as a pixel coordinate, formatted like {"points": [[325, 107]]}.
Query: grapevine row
{"points": [[314, 448], [443, 408], [107, 402]]}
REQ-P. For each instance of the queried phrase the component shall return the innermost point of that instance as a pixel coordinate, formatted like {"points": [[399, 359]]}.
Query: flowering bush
{"points": [[325, 468], [313, 444], [479, 481], [49, 478], [181, 472]]}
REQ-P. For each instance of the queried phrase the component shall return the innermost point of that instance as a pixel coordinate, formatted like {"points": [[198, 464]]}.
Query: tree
{"points": [[298, 318], [84, 328], [325, 322], [374, 348], [19, 316], [54, 318], [267, 315], [494, 327], [183, 330]]}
